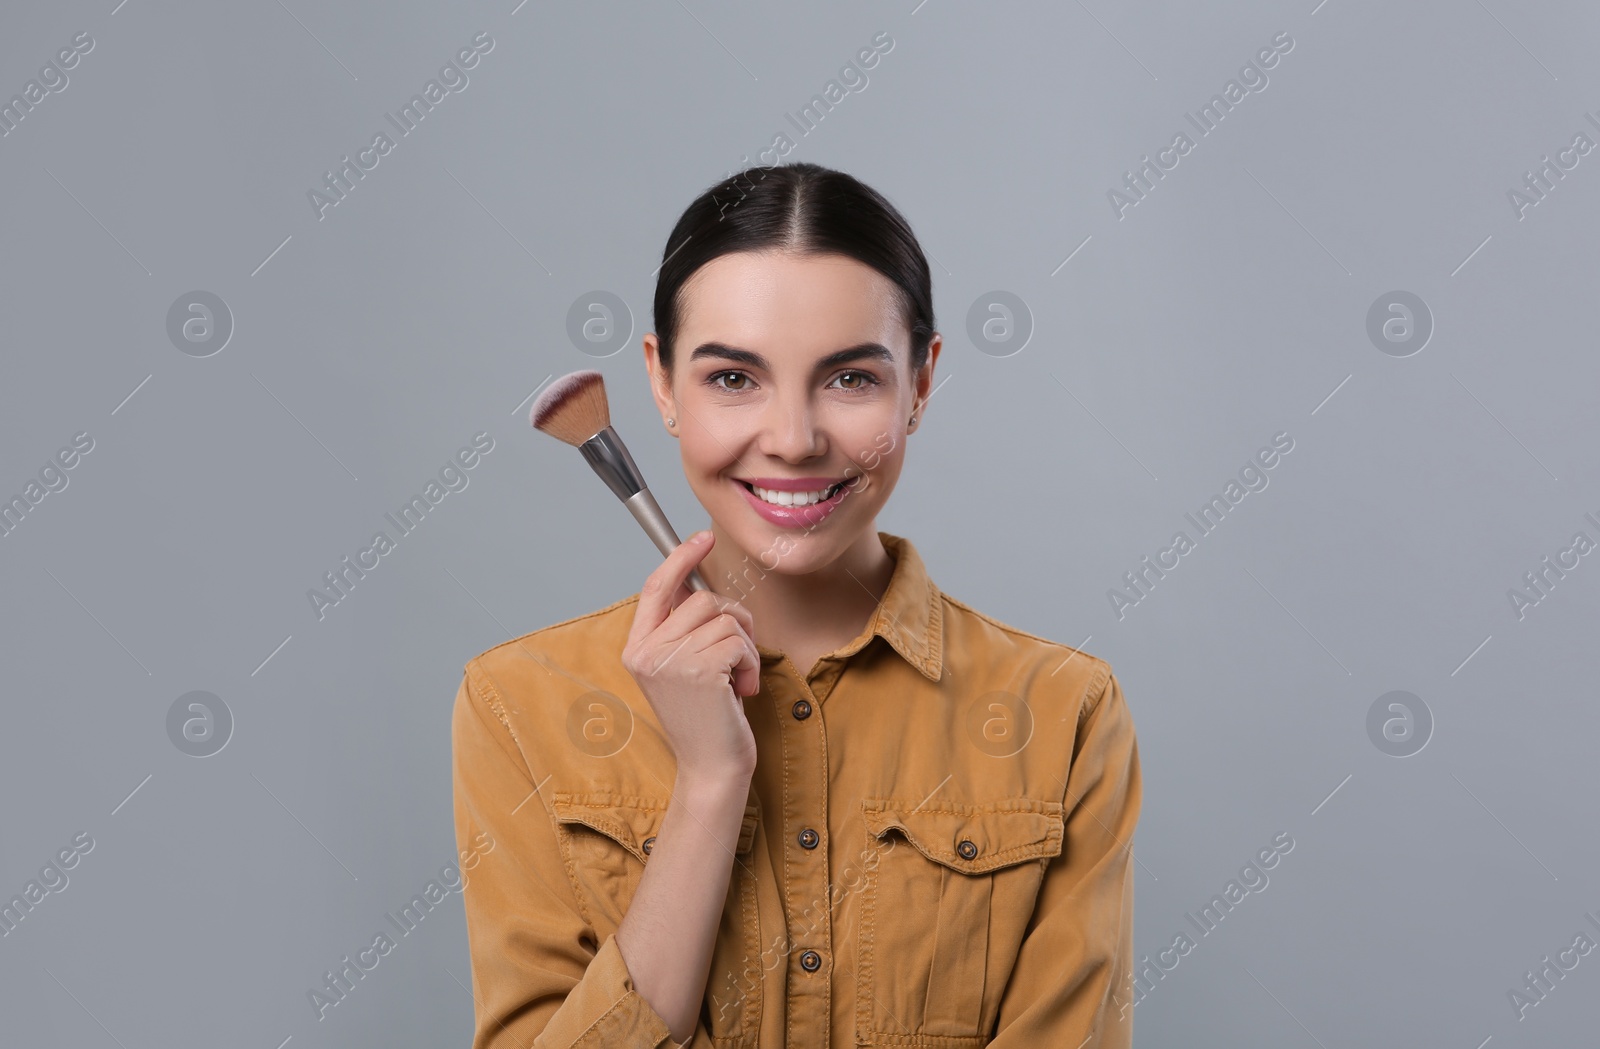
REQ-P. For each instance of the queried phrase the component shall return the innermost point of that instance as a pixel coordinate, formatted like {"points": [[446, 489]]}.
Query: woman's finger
{"points": [[660, 589]]}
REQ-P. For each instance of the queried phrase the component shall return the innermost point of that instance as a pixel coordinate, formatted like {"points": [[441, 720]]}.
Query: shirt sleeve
{"points": [[538, 979], [1066, 988]]}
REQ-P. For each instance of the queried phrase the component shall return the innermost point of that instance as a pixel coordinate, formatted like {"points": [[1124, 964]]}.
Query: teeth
{"points": [[792, 498]]}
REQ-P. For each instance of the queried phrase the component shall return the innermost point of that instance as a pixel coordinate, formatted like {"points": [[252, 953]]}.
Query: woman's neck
{"points": [[806, 615]]}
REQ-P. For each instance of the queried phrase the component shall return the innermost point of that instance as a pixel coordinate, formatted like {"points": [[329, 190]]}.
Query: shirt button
{"points": [[802, 709], [649, 843], [808, 839], [810, 961], [967, 850]]}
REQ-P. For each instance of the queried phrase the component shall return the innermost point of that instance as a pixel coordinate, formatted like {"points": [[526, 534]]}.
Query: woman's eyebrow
{"points": [[866, 351]]}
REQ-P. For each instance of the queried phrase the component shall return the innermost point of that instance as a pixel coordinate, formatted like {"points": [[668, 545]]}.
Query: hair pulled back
{"points": [[802, 208]]}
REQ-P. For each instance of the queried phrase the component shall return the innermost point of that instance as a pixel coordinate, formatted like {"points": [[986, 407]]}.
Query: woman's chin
{"points": [[786, 551]]}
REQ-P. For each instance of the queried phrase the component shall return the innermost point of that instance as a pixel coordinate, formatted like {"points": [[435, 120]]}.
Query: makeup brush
{"points": [[574, 409]]}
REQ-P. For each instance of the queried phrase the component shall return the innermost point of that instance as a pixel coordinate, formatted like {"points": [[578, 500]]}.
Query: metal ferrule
{"points": [[610, 459]]}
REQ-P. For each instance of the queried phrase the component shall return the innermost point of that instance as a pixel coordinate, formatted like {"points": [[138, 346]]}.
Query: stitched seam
{"points": [[1102, 679], [936, 1041], [478, 680], [1005, 805], [788, 883], [935, 630], [595, 816], [923, 657], [752, 820], [827, 910], [1032, 850], [864, 982], [745, 1025], [601, 800], [1049, 845], [492, 698], [1007, 627], [606, 828], [1019, 632], [477, 670], [570, 866], [589, 1034]]}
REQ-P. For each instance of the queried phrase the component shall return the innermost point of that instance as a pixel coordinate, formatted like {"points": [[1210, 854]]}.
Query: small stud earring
{"points": [[671, 422], [912, 420]]}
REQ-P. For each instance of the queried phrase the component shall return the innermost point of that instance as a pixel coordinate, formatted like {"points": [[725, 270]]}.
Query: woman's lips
{"points": [[795, 516]]}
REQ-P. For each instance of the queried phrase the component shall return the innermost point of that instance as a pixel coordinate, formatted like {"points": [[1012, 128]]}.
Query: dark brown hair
{"points": [[803, 208]]}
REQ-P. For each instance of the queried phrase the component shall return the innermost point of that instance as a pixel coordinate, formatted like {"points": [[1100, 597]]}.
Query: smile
{"points": [[794, 509], [775, 497]]}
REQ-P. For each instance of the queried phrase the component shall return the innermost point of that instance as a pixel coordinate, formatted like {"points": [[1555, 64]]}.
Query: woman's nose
{"points": [[791, 431]]}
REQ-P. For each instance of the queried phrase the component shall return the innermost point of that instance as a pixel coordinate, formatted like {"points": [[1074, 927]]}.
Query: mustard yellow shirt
{"points": [[936, 850]]}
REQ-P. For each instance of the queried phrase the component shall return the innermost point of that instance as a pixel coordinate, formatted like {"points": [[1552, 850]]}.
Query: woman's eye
{"points": [[866, 380], [716, 380]]}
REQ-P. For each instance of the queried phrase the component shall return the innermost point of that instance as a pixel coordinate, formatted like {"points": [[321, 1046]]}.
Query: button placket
{"points": [[807, 915]]}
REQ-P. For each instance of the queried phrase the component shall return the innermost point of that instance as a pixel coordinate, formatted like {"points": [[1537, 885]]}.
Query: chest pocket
{"points": [[945, 907], [604, 837], [608, 838]]}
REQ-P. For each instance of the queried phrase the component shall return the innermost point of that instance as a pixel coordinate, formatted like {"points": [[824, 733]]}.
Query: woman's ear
{"points": [[922, 386], [660, 382]]}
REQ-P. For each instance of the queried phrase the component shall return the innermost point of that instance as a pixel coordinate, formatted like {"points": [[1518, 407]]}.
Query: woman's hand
{"points": [[682, 658]]}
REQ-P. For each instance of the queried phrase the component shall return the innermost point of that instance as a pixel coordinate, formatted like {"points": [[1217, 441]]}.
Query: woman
{"points": [[871, 814]]}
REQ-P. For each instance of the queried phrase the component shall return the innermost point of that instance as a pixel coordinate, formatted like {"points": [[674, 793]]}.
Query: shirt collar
{"points": [[909, 616]]}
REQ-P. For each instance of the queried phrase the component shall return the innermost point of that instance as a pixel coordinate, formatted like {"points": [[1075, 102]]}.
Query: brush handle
{"points": [[609, 457], [644, 508]]}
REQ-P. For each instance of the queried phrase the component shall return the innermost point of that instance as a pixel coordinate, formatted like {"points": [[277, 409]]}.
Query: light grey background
{"points": [[1167, 347]]}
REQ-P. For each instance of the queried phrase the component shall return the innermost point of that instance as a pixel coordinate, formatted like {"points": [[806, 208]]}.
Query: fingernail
{"points": [[700, 537]]}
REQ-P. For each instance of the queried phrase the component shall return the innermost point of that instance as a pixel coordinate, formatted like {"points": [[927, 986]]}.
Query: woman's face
{"points": [[791, 372]]}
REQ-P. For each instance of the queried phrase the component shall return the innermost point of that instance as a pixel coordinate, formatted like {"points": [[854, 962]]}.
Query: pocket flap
{"points": [[626, 820], [630, 820], [972, 839]]}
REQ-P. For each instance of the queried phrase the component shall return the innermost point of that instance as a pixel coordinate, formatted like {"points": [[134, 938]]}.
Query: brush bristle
{"points": [[573, 408]]}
